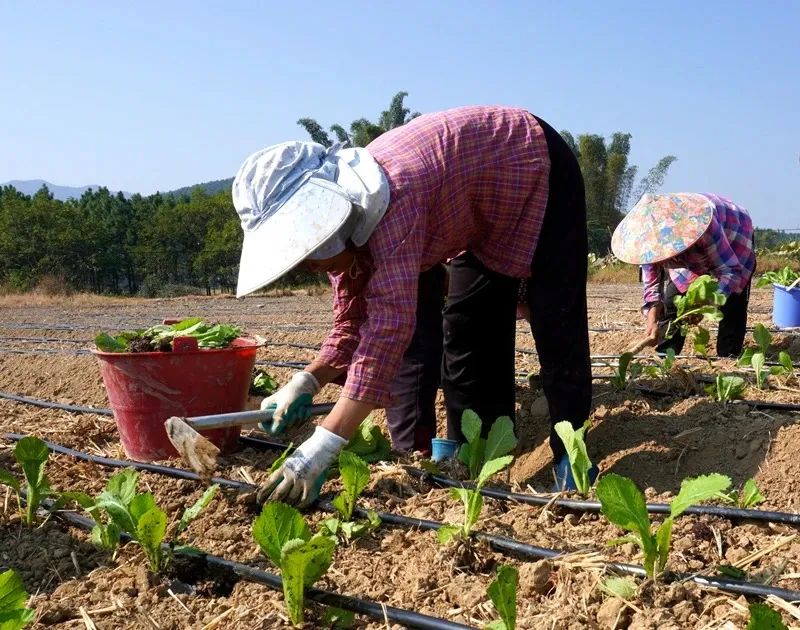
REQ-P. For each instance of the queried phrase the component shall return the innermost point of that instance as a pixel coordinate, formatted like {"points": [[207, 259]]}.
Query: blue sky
{"points": [[152, 96]]}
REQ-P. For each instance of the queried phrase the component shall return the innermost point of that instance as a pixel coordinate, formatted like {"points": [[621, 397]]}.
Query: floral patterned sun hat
{"points": [[659, 227]]}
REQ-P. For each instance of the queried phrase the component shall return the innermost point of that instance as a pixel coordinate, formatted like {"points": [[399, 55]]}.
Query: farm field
{"points": [[656, 440]]}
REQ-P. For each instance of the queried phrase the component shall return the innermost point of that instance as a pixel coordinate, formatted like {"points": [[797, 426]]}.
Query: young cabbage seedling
{"points": [[477, 450], [369, 442], [503, 593], [136, 514], [623, 504], [472, 500], [31, 454], [575, 445], [355, 477], [749, 496], [627, 370], [664, 367], [726, 388], [285, 538], [262, 384], [13, 613], [702, 301]]}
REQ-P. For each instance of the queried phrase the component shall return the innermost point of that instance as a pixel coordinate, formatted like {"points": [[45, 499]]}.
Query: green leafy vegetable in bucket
{"points": [[784, 277], [160, 337]]}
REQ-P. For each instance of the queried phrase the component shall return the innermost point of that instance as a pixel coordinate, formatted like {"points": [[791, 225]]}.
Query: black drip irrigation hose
{"points": [[500, 543], [755, 404], [530, 499], [380, 612]]}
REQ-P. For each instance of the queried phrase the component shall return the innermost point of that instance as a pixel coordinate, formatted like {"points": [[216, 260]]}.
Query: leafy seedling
{"points": [[702, 302], [748, 496], [762, 617], [575, 445], [285, 538], [337, 618], [369, 442], [355, 477], [623, 504], [472, 500], [663, 368], [138, 515], [262, 384], [726, 388], [503, 593], [477, 450], [627, 369], [700, 341], [762, 337], [31, 455], [622, 587], [160, 337], [13, 613], [784, 277]]}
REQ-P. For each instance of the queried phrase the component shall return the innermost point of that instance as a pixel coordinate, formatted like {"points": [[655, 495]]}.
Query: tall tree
{"points": [[609, 180], [362, 131]]}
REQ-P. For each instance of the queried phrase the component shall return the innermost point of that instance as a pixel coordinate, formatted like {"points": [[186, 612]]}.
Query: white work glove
{"points": [[289, 405], [300, 477]]}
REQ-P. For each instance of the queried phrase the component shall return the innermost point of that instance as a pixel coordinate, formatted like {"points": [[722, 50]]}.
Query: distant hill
{"points": [[210, 188], [32, 186]]}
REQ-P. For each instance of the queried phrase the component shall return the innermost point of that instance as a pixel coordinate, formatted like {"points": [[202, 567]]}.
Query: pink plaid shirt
{"points": [[472, 178], [725, 252]]}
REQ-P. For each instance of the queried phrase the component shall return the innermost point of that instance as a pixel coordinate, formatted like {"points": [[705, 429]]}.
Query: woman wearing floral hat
{"points": [[677, 237], [494, 182]]}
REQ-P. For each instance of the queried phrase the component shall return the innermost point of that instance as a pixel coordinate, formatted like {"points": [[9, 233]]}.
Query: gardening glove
{"points": [[300, 477], [563, 474], [289, 405]]}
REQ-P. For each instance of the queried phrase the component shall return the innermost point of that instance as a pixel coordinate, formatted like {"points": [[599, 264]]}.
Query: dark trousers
{"points": [[732, 328], [412, 417], [480, 315]]}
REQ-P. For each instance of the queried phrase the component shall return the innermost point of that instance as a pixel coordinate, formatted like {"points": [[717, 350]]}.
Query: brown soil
{"points": [[655, 441]]}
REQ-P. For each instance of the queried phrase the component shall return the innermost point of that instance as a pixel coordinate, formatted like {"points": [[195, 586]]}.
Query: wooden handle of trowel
{"points": [[246, 418]]}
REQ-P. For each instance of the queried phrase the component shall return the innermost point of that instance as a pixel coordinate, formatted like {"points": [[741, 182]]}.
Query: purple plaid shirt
{"points": [[725, 252], [472, 178]]}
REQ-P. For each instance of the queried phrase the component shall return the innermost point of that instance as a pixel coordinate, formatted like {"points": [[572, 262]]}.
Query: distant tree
{"points": [[362, 131], [609, 180]]}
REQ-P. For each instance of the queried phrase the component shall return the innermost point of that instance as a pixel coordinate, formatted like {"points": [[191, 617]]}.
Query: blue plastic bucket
{"points": [[786, 306], [442, 448]]}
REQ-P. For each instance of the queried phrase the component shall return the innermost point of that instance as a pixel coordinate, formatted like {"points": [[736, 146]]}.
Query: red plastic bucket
{"points": [[146, 388]]}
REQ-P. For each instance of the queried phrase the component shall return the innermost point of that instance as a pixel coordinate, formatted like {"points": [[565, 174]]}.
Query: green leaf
{"points": [[700, 341], [355, 477], [663, 543], [492, 467], [470, 425], [331, 525], [338, 618], [277, 524], [762, 337], [281, 458], [353, 530], [303, 562], [32, 454], [263, 384], [758, 365], [669, 359], [151, 528], [374, 519], [501, 439], [81, 498], [13, 613], [786, 361], [8, 479], [123, 485], [746, 359], [369, 442], [623, 504], [473, 504], [622, 587], [697, 489], [762, 617], [503, 593], [446, 533], [106, 536], [750, 495], [193, 512], [107, 343], [575, 445], [140, 505], [342, 504]]}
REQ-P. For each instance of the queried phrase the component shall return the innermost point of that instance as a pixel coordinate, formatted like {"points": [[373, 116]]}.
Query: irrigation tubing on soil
{"points": [[380, 612], [502, 495], [755, 404], [500, 543]]}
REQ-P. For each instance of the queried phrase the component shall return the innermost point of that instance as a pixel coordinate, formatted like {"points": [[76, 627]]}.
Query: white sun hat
{"points": [[298, 200]]}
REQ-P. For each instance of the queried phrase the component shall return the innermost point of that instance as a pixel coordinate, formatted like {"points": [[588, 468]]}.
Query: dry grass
{"points": [[770, 262], [31, 299], [615, 274]]}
